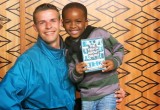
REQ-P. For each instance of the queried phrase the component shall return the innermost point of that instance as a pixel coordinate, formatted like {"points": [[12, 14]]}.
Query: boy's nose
{"points": [[73, 24]]}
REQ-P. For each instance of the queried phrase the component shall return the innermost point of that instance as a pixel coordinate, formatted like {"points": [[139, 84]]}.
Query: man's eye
{"points": [[40, 22], [53, 20]]}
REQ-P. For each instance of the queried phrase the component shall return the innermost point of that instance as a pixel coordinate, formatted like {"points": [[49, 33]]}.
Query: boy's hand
{"points": [[80, 67], [108, 65], [120, 94]]}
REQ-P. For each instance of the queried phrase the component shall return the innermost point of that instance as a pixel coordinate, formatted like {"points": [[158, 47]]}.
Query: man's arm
{"points": [[12, 88]]}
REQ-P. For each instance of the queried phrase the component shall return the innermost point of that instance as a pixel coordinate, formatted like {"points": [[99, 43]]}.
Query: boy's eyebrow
{"points": [[66, 19]]}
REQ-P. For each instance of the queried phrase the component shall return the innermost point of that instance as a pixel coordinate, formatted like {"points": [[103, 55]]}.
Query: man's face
{"points": [[74, 22], [48, 26]]}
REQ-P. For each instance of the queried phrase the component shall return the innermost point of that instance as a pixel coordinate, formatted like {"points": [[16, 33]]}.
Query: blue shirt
{"points": [[38, 79]]}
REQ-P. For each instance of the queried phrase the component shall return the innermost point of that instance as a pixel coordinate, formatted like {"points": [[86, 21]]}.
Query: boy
{"points": [[97, 89]]}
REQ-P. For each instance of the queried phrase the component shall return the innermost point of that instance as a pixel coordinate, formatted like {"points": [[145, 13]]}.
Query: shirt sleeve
{"points": [[73, 75], [116, 50], [13, 88]]}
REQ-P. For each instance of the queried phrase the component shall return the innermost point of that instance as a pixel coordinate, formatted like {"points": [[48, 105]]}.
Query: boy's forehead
{"points": [[74, 10]]}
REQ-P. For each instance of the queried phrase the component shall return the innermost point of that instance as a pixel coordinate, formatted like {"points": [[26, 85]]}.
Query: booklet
{"points": [[93, 54]]}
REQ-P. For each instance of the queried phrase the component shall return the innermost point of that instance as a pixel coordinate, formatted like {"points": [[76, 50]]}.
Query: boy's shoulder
{"points": [[100, 32], [101, 29]]}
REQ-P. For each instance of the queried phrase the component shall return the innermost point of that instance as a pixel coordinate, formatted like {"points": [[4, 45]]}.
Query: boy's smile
{"points": [[74, 22], [74, 32]]}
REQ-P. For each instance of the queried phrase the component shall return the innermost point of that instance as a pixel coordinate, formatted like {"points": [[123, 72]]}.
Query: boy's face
{"points": [[48, 26], [74, 22]]}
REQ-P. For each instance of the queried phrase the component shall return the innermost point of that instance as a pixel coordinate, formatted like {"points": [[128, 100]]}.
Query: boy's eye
{"points": [[67, 22]]}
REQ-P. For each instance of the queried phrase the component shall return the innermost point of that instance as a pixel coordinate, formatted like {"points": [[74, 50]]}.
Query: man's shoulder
{"points": [[31, 52]]}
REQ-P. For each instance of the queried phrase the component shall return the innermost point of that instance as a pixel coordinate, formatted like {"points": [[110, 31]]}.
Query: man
{"points": [[39, 77], [39, 80]]}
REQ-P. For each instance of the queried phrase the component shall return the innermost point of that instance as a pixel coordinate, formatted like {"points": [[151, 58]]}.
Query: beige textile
{"points": [[1, 24]]}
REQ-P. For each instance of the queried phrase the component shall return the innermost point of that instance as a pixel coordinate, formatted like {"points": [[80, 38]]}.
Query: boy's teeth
{"points": [[74, 32]]}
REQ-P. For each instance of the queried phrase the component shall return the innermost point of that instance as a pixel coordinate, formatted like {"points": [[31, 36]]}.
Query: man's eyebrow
{"points": [[54, 19], [50, 19], [40, 21]]}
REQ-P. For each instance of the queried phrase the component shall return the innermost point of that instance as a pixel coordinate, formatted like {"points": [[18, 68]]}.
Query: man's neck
{"points": [[56, 44]]}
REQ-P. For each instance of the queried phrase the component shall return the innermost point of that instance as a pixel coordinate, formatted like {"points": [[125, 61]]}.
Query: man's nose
{"points": [[48, 25]]}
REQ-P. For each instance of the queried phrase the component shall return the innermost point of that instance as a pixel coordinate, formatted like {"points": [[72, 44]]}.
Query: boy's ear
{"points": [[86, 20], [86, 23]]}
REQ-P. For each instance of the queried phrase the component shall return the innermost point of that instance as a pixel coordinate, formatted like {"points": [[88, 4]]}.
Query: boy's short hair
{"points": [[75, 5], [43, 7]]}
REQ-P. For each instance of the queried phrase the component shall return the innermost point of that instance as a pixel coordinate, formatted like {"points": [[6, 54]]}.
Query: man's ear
{"points": [[35, 28], [62, 23]]}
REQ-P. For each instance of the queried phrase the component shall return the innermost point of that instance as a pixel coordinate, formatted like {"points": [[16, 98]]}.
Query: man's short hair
{"points": [[43, 7]]}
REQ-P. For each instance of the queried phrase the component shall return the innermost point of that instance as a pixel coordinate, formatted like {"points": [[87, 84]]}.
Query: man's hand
{"points": [[120, 94]]}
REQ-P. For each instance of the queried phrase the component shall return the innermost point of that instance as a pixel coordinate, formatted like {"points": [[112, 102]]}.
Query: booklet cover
{"points": [[93, 53]]}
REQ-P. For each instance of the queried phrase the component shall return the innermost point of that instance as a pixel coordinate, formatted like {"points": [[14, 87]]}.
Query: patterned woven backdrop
{"points": [[135, 23]]}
